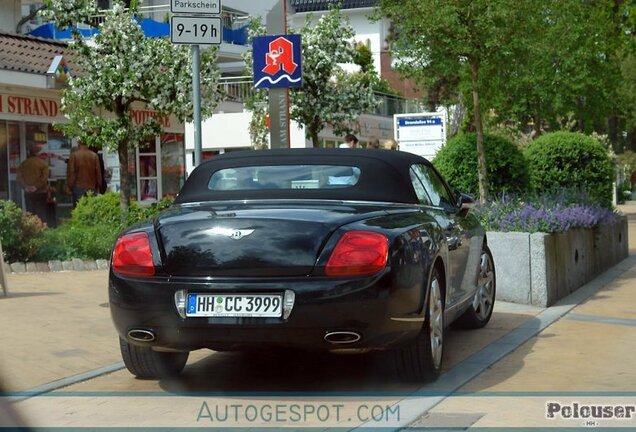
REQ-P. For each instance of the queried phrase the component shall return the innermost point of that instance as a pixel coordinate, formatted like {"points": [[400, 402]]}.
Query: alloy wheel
{"points": [[484, 298], [436, 325]]}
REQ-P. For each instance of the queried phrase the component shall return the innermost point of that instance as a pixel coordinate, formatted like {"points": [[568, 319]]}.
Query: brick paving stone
{"points": [[55, 265], [18, 267], [42, 267], [90, 265], [78, 265]]}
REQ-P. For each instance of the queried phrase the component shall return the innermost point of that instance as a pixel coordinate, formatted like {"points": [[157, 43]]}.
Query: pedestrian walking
{"points": [[351, 141], [390, 144], [102, 169], [374, 143], [33, 176], [83, 173]]}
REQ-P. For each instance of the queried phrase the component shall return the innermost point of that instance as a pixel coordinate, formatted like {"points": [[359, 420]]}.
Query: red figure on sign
{"points": [[280, 55]]}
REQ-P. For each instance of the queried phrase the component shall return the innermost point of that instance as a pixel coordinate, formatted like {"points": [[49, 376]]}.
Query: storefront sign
{"points": [[140, 117], [29, 105], [421, 133]]}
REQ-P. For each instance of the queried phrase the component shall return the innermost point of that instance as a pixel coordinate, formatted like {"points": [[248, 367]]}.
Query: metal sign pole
{"points": [[278, 97], [3, 278], [196, 97]]}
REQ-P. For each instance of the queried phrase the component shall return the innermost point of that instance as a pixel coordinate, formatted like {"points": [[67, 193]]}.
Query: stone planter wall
{"points": [[56, 266], [539, 269]]}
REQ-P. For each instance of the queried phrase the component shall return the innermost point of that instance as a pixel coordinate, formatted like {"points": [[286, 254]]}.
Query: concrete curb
{"points": [[57, 266]]}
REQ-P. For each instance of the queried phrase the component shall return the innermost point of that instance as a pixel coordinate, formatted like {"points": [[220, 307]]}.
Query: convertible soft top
{"points": [[384, 175]]}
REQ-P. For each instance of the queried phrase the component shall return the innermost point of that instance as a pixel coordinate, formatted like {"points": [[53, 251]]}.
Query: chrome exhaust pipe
{"points": [[342, 337], [141, 335]]}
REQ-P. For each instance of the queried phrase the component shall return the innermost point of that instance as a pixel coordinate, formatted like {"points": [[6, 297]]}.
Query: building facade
{"points": [[31, 81]]}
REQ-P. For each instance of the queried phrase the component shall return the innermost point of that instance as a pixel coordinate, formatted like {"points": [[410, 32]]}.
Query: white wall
{"points": [[373, 34], [10, 11], [231, 131], [252, 7]]}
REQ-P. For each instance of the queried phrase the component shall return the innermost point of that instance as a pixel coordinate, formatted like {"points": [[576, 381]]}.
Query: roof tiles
{"points": [[27, 53]]}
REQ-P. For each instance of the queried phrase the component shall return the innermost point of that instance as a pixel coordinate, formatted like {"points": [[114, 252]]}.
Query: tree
{"points": [[329, 94], [456, 42], [568, 71], [256, 102], [118, 67]]}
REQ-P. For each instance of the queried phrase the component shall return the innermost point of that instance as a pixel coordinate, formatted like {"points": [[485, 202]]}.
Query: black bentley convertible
{"points": [[342, 250]]}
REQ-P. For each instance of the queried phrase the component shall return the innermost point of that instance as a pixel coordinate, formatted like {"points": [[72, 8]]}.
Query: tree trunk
{"points": [[479, 128], [124, 179], [314, 137], [612, 133], [536, 119]]}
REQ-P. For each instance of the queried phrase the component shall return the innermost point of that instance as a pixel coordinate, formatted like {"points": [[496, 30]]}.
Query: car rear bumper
{"points": [[381, 312]]}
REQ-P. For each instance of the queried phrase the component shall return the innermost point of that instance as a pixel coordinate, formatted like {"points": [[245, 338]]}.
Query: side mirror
{"points": [[464, 200]]}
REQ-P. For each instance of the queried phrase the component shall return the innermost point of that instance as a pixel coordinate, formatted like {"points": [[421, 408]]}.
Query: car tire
{"points": [[479, 312], [143, 362], [421, 360]]}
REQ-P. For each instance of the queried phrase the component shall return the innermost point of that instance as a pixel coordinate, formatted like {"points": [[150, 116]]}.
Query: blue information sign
{"points": [[277, 61], [432, 121]]}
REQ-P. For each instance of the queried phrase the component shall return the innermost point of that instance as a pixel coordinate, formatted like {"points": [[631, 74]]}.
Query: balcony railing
{"points": [[392, 104], [238, 89]]}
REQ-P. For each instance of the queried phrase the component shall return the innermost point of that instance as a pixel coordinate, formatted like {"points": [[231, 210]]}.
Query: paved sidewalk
{"points": [[585, 356], [54, 325]]}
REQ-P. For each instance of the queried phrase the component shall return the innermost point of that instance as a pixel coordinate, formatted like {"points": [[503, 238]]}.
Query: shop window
{"points": [[13, 145], [58, 151], [172, 164], [147, 171], [4, 162]]}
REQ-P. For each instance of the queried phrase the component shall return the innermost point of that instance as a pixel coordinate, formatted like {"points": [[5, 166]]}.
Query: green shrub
{"points": [[506, 167], [20, 233], [561, 160], [103, 210], [84, 242], [91, 231]]}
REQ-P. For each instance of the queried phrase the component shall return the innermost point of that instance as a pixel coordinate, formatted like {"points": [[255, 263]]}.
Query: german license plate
{"points": [[234, 305]]}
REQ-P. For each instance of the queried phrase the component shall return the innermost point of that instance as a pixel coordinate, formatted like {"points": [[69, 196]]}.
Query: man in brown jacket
{"points": [[83, 173], [33, 176]]}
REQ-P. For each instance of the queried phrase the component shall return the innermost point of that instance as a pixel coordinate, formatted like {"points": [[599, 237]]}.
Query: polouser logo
{"points": [[277, 61]]}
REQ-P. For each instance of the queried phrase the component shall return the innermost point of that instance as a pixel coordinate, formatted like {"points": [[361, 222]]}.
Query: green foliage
{"points": [[20, 232], [507, 171], [93, 228], [119, 67], [329, 94], [571, 160], [75, 241], [257, 101], [363, 57], [570, 67]]}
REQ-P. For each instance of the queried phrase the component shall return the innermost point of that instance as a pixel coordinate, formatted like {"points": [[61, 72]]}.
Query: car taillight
{"points": [[132, 255], [358, 253]]}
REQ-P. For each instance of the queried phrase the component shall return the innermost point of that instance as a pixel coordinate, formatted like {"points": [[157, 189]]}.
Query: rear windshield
{"points": [[284, 177]]}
